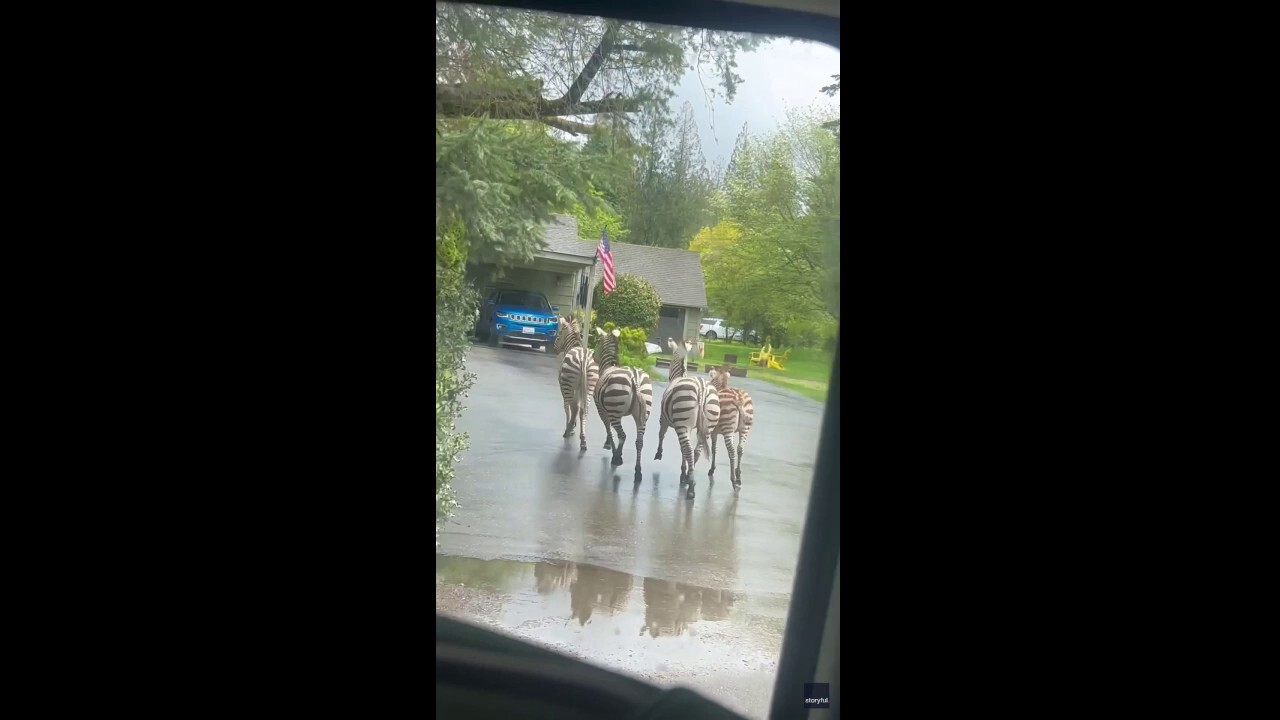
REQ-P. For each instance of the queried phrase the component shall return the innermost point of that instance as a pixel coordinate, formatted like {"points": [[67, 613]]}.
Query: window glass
{"points": [[712, 162]]}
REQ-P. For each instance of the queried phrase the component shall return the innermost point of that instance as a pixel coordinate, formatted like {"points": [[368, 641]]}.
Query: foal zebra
{"points": [[737, 414], [689, 403], [573, 354], [621, 392]]}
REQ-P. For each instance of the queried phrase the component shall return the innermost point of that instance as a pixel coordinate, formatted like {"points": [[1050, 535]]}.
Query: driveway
{"points": [[561, 548]]}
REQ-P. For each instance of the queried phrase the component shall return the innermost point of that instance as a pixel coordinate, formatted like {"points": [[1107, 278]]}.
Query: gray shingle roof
{"points": [[675, 274], [561, 236]]}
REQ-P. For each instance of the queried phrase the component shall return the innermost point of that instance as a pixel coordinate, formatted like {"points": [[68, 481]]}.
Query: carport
{"points": [[553, 272]]}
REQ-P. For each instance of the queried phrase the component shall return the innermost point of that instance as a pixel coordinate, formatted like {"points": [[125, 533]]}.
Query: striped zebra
{"points": [[572, 352], [679, 359], [737, 414], [689, 403], [621, 392]]}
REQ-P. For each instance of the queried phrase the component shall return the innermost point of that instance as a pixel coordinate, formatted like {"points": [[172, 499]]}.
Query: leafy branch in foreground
{"points": [[508, 64]]}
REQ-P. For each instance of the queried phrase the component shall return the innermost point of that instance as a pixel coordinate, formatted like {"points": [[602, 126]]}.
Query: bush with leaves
{"points": [[810, 332], [631, 345], [633, 303], [631, 341], [631, 349], [456, 304]]}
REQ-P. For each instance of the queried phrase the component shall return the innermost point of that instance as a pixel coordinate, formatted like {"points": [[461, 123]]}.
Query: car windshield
{"points": [[517, 298], [632, 175]]}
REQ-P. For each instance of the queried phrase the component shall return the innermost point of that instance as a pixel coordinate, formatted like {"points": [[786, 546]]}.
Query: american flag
{"points": [[607, 255]]}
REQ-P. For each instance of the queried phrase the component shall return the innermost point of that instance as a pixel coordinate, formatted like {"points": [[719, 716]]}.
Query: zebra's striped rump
{"points": [[574, 358], [689, 404], [624, 392]]}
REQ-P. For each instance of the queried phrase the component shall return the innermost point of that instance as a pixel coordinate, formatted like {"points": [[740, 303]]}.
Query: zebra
{"points": [[689, 403], [571, 351], [621, 392], [737, 414], [679, 359]]}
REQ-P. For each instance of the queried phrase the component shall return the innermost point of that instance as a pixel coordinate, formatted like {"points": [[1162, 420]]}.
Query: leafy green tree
{"points": [[633, 303], [772, 264], [592, 224], [670, 200]]}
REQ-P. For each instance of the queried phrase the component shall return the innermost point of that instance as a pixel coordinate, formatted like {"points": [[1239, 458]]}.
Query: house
{"points": [[558, 269]]}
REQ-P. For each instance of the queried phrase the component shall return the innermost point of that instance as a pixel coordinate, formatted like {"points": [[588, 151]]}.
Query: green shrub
{"points": [[644, 363], [456, 311], [633, 303], [631, 342], [808, 331], [631, 350]]}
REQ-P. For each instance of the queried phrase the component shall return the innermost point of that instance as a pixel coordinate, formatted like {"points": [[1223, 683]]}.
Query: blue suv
{"points": [[517, 316]]}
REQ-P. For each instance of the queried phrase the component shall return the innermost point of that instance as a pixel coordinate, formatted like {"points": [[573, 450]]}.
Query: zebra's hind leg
{"points": [[582, 428], [608, 434], [742, 447], [662, 432], [639, 449], [712, 471], [616, 423], [728, 446], [686, 458], [570, 417], [604, 418]]}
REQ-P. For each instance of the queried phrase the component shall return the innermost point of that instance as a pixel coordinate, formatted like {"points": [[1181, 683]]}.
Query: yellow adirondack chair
{"points": [[762, 356], [775, 361]]}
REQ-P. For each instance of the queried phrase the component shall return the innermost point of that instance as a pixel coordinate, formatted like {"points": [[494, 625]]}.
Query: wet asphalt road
{"points": [[561, 548]]}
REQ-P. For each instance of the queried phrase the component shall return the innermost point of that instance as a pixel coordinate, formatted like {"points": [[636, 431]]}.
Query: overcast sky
{"points": [[779, 74]]}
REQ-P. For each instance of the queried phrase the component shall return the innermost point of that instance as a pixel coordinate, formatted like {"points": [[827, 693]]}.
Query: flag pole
{"points": [[586, 326]]}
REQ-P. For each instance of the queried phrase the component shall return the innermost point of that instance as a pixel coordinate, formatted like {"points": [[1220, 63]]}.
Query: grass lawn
{"points": [[807, 370]]}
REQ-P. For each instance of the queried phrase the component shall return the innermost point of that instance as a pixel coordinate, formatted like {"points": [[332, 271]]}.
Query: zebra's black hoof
{"points": [[712, 471], [617, 460], [658, 456], [690, 493]]}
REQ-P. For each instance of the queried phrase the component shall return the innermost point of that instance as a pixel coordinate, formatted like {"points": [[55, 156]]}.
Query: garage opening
{"points": [[670, 325]]}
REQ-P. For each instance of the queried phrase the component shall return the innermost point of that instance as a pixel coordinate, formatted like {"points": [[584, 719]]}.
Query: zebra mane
{"points": [[607, 351], [719, 378], [568, 338]]}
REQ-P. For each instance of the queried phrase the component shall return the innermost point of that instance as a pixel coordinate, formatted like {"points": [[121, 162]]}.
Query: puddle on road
{"points": [[660, 629]]}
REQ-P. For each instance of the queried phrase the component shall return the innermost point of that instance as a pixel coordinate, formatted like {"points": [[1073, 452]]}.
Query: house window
{"points": [[668, 312]]}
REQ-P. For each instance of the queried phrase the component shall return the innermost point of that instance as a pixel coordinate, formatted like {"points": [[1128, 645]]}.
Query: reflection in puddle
{"points": [[670, 608]]}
